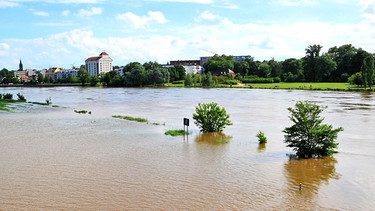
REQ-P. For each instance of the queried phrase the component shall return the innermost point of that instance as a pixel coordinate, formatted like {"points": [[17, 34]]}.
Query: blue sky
{"points": [[63, 33]]}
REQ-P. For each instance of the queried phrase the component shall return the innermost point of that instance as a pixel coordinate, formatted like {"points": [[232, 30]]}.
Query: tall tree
{"points": [[207, 80], [83, 75], [343, 56], [241, 68], [137, 76], [151, 65], [129, 67], [357, 61], [158, 76], [264, 70], [312, 53], [368, 71], [276, 68], [40, 78], [324, 67], [217, 63], [292, 70]]}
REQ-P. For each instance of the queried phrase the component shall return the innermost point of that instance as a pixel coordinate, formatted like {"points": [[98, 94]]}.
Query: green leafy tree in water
{"points": [[308, 136], [211, 118]]}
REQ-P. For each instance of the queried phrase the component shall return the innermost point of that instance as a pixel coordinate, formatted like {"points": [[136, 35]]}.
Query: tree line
{"points": [[345, 63]]}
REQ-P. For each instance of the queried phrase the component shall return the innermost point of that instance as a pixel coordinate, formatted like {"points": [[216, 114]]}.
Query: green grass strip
{"points": [[176, 132], [129, 118]]}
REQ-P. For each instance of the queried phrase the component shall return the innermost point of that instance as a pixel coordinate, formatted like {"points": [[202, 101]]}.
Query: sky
{"points": [[64, 33]]}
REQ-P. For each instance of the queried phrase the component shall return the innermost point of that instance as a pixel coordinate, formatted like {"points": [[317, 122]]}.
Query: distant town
{"points": [[101, 64]]}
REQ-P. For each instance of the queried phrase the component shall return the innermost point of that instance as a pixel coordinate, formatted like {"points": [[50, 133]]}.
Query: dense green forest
{"points": [[345, 63]]}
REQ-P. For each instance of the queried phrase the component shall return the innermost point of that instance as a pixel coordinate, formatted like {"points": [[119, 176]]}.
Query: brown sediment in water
{"points": [[53, 158]]}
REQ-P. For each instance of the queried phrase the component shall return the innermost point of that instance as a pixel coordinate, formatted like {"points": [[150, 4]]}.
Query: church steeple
{"points": [[20, 66]]}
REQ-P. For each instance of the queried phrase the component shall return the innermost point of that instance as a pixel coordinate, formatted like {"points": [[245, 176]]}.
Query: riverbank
{"points": [[320, 86], [311, 86]]}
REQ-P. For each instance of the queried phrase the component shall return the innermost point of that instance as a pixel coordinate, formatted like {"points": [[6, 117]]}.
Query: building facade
{"points": [[185, 62], [64, 74], [97, 65]]}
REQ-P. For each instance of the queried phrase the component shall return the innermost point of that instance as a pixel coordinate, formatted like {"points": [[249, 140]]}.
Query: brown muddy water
{"points": [[52, 158]]}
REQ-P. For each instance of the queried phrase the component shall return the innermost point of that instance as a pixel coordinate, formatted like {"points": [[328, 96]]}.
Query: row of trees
{"points": [[338, 64], [135, 74]]}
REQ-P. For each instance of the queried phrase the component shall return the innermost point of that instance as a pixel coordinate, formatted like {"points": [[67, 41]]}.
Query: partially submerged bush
{"points": [[176, 132], [211, 118], [21, 97], [82, 112], [136, 119], [8, 96], [261, 138], [308, 136]]}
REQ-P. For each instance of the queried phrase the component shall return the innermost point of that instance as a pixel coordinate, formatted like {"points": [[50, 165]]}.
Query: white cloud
{"points": [[207, 16], [5, 4], [187, 1], [142, 22], [41, 13], [54, 24], [297, 3], [226, 4], [65, 13], [88, 13], [58, 1], [263, 41], [368, 10], [4, 49]]}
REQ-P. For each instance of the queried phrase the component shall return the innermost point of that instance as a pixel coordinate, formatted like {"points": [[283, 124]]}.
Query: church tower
{"points": [[20, 66]]}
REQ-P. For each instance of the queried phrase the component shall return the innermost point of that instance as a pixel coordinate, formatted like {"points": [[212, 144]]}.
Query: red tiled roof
{"points": [[93, 58]]}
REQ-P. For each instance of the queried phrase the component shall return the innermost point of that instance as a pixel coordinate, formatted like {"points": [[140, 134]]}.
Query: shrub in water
{"points": [[261, 138], [21, 97], [211, 118], [8, 96]]}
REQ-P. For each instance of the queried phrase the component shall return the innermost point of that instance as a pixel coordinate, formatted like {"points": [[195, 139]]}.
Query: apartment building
{"points": [[97, 65]]}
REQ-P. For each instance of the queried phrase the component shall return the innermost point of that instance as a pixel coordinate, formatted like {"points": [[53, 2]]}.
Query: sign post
{"points": [[186, 123]]}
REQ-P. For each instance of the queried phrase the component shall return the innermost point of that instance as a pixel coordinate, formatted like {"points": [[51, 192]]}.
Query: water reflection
{"points": [[366, 95], [311, 174], [261, 147], [215, 138]]}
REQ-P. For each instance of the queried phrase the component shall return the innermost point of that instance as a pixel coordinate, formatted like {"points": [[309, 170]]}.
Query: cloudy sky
{"points": [[63, 33]]}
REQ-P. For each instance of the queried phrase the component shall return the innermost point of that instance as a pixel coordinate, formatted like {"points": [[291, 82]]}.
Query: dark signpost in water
{"points": [[186, 123]]}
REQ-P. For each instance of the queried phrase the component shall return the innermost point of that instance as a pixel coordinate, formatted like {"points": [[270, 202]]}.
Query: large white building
{"points": [[99, 64]]}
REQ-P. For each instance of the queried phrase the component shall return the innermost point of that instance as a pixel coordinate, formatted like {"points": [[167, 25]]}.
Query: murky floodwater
{"points": [[53, 158]]}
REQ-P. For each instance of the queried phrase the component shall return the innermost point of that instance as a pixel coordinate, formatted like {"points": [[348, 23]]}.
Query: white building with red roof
{"points": [[97, 65]]}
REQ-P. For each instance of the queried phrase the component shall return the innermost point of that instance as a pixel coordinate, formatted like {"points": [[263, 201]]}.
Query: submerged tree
{"points": [[308, 136], [211, 118]]}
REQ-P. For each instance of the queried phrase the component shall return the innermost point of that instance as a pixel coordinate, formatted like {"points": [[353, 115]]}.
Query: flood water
{"points": [[52, 158]]}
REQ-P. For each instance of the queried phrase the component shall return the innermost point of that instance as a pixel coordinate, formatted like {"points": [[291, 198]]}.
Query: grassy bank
{"points": [[306, 86], [324, 86]]}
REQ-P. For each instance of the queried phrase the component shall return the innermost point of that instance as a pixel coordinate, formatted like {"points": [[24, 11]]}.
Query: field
{"points": [[306, 86], [292, 85]]}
